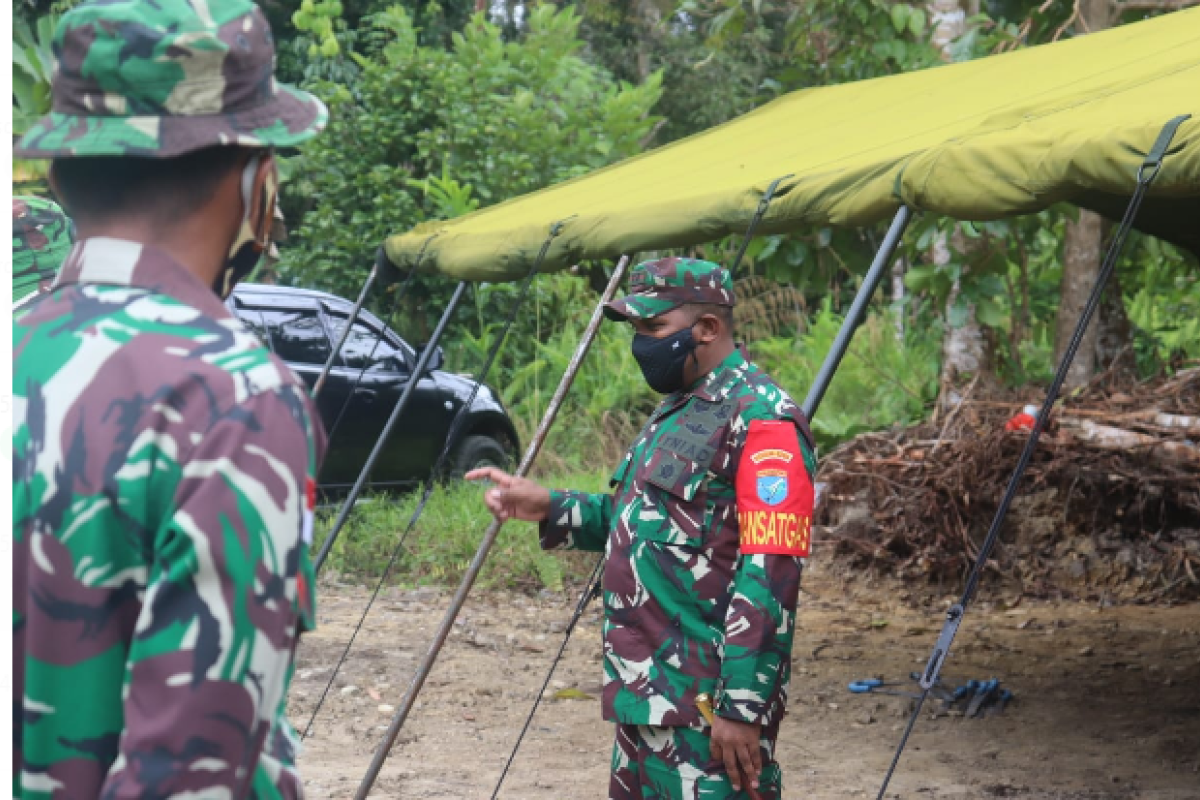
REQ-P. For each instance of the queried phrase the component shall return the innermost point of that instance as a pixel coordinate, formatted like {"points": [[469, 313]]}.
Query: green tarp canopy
{"points": [[997, 137]]}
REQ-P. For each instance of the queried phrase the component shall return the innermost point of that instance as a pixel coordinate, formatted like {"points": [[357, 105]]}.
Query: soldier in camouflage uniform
{"points": [[42, 236], [706, 532], [163, 460]]}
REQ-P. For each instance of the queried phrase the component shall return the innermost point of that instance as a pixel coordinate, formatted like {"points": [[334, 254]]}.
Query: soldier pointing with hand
{"points": [[163, 459], [706, 533]]}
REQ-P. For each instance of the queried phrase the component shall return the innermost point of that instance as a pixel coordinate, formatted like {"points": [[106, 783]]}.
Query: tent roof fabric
{"points": [[985, 139]]}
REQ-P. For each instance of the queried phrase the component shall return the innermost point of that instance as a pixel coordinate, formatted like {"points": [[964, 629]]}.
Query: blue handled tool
{"points": [[1002, 699], [873, 685], [982, 694], [966, 690]]}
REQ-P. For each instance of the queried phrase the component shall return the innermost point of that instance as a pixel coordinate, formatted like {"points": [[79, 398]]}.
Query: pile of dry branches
{"points": [[1109, 506]]}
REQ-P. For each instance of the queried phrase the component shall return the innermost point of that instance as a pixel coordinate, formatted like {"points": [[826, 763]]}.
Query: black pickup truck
{"points": [[301, 327]]}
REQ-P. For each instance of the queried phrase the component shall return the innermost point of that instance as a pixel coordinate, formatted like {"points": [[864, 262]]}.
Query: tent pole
{"points": [[858, 310], [362, 298], [422, 364], [381, 268], [489, 536]]}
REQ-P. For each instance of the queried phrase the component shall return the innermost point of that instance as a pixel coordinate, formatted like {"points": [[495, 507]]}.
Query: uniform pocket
{"points": [[678, 488]]}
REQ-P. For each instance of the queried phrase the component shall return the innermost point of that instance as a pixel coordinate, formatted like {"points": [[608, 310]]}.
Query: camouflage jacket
{"points": [[161, 504], [706, 534]]}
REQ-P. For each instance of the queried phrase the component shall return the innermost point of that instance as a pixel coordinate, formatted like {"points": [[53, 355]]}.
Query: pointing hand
{"points": [[512, 497]]}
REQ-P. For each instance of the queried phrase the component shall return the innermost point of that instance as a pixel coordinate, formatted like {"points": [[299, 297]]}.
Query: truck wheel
{"points": [[477, 452]]}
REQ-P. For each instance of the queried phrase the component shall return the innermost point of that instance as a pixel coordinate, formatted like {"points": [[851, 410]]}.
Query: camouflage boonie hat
{"points": [[42, 236], [656, 287], [164, 78]]}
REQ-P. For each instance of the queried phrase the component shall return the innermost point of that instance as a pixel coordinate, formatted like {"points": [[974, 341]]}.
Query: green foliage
{"points": [[446, 536], [33, 67], [317, 17], [1008, 274], [609, 399], [821, 42], [702, 86], [496, 118], [1162, 298], [881, 381]]}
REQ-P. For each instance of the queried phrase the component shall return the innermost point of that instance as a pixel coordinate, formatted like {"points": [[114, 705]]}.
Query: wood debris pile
{"points": [[1109, 507]]}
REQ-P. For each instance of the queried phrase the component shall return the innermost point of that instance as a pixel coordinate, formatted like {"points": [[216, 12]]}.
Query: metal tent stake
{"points": [[489, 536], [419, 370], [858, 310]]}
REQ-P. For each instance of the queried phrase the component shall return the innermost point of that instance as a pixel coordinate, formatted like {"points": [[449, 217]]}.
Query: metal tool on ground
{"points": [[982, 695], [704, 706], [965, 691], [875, 686], [1001, 700], [978, 694]]}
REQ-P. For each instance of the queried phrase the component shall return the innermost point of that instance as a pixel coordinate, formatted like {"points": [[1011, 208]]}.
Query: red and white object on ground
{"points": [[1023, 421]]}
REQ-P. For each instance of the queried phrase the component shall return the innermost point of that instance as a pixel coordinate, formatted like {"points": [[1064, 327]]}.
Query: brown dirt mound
{"points": [[1108, 509]]}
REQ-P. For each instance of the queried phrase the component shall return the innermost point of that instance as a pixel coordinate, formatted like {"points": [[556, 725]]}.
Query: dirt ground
{"points": [[1107, 699]]}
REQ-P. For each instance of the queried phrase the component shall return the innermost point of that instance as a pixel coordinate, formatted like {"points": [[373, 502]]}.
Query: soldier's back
{"points": [[155, 449]]}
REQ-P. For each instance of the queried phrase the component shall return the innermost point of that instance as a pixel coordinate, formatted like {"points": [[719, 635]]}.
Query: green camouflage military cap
{"points": [[42, 236], [159, 79], [656, 287]]}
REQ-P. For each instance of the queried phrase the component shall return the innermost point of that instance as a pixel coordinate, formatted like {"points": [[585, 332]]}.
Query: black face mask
{"points": [[662, 360]]}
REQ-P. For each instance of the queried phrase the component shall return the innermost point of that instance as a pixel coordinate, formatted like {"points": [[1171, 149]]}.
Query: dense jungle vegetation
{"points": [[440, 108]]}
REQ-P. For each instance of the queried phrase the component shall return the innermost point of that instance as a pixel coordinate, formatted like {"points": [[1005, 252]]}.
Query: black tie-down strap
{"points": [[1146, 174], [764, 203]]}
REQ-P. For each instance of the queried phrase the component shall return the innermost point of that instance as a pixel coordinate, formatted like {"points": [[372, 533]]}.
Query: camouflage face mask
{"points": [[250, 244]]}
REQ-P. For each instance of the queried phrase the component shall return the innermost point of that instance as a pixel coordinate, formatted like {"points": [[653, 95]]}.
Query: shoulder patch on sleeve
{"points": [[308, 513], [774, 492]]}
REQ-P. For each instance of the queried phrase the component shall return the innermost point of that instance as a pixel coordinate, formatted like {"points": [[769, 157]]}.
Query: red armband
{"points": [[774, 492]]}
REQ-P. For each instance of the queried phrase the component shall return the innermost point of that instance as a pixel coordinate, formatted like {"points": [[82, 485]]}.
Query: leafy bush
{"points": [[1162, 297], [497, 118], [609, 399], [881, 381]]}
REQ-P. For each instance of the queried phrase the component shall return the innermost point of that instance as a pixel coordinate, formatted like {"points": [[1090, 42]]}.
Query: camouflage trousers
{"points": [[652, 763]]}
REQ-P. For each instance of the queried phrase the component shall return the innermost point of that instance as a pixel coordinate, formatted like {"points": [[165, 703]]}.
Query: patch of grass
{"points": [[445, 538], [881, 382]]}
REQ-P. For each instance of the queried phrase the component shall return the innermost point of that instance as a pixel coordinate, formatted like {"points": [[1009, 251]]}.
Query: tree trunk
{"points": [[899, 267], [966, 350], [1081, 267], [949, 21], [649, 18], [1082, 249]]}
